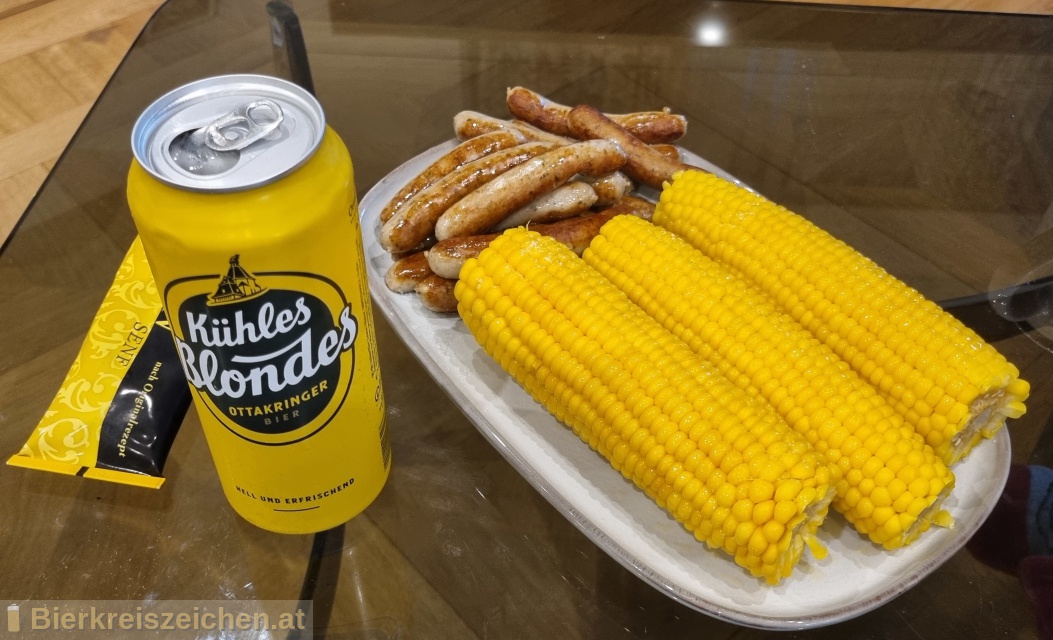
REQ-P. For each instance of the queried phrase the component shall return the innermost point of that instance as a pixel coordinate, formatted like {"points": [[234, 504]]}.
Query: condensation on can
{"points": [[160, 131]]}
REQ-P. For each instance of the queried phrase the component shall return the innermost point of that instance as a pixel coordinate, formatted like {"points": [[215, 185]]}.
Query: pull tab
{"points": [[243, 126]]}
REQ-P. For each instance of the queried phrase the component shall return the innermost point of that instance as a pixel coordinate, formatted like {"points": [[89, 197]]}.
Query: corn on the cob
{"points": [[725, 466], [892, 483], [945, 381]]}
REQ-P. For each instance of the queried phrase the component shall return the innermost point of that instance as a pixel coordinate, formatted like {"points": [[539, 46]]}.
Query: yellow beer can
{"points": [[245, 202]]}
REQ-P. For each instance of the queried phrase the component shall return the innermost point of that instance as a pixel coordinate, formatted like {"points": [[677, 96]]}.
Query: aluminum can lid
{"points": [[228, 133]]}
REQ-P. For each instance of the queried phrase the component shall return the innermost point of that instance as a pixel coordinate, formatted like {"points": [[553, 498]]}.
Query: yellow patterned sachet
{"points": [[121, 404]]}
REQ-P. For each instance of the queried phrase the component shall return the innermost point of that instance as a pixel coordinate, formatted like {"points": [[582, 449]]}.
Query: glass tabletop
{"points": [[921, 138]]}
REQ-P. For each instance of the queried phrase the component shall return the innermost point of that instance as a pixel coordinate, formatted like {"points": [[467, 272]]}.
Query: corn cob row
{"points": [[723, 465], [945, 381], [892, 483]]}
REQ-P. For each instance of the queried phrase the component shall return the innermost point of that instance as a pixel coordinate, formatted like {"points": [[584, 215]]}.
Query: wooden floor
{"points": [[56, 56]]}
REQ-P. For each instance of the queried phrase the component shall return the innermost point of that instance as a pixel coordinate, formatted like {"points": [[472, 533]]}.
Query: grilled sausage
{"points": [[437, 294], [469, 124], [489, 204], [633, 206], [428, 243], [404, 275], [668, 150], [467, 151], [447, 257], [563, 202], [610, 188], [415, 221], [649, 126], [643, 163]]}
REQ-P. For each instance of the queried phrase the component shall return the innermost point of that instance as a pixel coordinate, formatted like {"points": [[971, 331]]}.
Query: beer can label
{"points": [[271, 354]]}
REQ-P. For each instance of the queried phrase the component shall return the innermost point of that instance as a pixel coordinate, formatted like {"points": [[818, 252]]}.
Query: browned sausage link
{"points": [[469, 124], [610, 187], [533, 133], [428, 243], [437, 294], [538, 111], [448, 256], [489, 204], [649, 126], [404, 275], [465, 152], [633, 206], [577, 233], [643, 163], [561, 203], [416, 221], [653, 127], [668, 150]]}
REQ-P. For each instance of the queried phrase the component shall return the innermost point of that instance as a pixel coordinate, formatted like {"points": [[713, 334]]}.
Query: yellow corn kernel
{"points": [[947, 382], [632, 390], [838, 413]]}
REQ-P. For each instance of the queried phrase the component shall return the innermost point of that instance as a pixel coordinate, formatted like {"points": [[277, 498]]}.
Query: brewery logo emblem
{"points": [[266, 352], [237, 284]]}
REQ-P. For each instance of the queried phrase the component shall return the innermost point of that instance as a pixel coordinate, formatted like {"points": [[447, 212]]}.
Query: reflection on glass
{"points": [[711, 33]]}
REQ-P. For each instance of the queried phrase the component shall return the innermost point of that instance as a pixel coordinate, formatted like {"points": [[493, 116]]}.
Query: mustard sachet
{"points": [[118, 409]]}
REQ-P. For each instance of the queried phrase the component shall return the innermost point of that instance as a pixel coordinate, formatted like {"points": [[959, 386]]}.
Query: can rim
{"points": [[148, 119]]}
